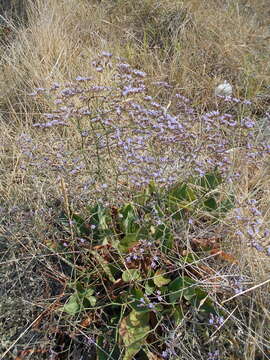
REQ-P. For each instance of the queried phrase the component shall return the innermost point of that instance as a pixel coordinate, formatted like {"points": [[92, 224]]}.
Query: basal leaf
{"points": [[128, 242], [163, 233], [181, 192], [99, 223], [73, 306], [160, 279], [180, 287], [104, 264], [131, 275], [227, 204], [135, 297], [210, 203], [81, 226], [104, 351], [177, 314], [88, 294], [209, 181], [128, 218], [133, 331], [149, 287]]}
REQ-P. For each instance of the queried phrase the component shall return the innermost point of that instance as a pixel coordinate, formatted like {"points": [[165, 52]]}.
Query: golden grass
{"points": [[201, 44]]}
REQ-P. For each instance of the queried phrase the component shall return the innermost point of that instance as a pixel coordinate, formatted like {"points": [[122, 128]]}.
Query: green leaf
{"points": [[210, 203], [104, 351], [181, 192], [160, 279], [72, 306], [100, 219], [131, 275], [149, 287], [78, 286], [227, 204], [202, 302], [142, 197], [177, 314], [209, 181], [134, 298], [128, 219], [136, 293], [80, 225], [105, 266], [134, 330], [189, 293], [164, 234], [153, 188], [128, 242], [181, 287], [180, 199], [79, 300], [88, 294]]}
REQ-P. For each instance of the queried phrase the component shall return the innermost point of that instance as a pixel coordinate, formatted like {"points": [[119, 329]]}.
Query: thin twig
{"points": [[244, 292]]}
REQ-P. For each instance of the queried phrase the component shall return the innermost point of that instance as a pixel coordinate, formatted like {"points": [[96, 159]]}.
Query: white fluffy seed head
{"points": [[224, 89]]}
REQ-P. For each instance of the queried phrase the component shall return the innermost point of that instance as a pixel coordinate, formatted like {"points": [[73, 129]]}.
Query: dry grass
{"points": [[193, 45]]}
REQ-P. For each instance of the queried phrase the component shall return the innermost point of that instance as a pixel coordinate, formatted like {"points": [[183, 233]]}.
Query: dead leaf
{"points": [[224, 256], [86, 322], [212, 242], [24, 353], [152, 356]]}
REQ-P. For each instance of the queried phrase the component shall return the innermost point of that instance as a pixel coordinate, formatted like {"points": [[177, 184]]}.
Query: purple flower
{"points": [[106, 54], [85, 133], [257, 246], [83, 78], [129, 89], [248, 123], [266, 233], [159, 297], [55, 86], [200, 171], [255, 211], [250, 232], [148, 98], [213, 355], [185, 99], [216, 320], [165, 354], [162, 84], [139, 73]]}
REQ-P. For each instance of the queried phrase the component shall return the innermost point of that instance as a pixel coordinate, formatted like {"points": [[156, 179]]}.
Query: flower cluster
{"points": [[257, 231], [143, 138], [145, 249], [216, 320], [215, 355]]}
